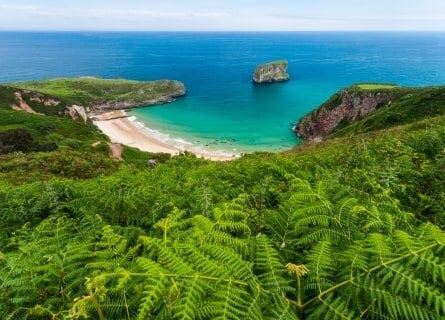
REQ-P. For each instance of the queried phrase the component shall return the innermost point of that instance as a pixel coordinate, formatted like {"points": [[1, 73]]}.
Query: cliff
{"points": [[363, 108], [271, 72], [101, 95]]}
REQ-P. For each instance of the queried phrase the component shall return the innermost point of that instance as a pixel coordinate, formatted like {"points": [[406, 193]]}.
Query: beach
{"points": [[120, 128]]}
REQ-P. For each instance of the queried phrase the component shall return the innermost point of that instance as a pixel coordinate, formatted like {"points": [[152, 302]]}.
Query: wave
{"points": [[179, 143]]}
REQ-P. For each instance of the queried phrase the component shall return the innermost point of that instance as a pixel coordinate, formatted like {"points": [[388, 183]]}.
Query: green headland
{"points": [[107, 94]]}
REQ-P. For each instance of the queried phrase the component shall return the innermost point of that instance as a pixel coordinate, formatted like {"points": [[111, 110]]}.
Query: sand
{"points": [[120, 129]]}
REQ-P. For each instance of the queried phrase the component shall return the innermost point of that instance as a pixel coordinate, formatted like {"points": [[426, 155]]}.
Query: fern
{"points": [[269, 268], [48, 272], [173, 243]]}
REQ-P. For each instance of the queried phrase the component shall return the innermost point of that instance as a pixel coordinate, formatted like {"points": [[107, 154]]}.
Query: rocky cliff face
{"points": [[88, 96], [271, 72], [173, 89], [343, 108]]}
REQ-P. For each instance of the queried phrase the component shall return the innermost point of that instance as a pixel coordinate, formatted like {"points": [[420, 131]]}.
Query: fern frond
{"points": [[333, 308], [231, 303], [269, 269], [192, 292], [402, 281], [154, 291], [233, 261], [321, 265], [280, 309], [430, 265]]}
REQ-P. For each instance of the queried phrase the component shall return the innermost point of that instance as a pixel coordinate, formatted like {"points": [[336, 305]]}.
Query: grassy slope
{"points": [[41, 126], [75, 156], [406, 162], [88, 91], [410, 105], [375, 86]]}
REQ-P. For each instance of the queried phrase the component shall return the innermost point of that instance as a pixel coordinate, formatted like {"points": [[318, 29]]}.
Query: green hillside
{"points": [[410, 105], [90, 91], [349, 228], [37, 147]]}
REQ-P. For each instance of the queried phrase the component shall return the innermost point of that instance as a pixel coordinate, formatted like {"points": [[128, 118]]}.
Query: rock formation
{"points": [[175, 90], [87, 96], [275, 71], [343, 108]]}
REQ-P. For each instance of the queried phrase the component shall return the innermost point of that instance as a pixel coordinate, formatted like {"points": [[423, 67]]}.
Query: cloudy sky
{"points": [[252, 15]]}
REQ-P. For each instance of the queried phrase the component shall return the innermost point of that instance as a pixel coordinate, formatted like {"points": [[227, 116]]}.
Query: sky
{"points": [[222, 15]]}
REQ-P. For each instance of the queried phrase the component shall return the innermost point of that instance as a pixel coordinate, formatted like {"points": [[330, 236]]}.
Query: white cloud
{"points": [[21, 8], [53, 17], [114, 13]]}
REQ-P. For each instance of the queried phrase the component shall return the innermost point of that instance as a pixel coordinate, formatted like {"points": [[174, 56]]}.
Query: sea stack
{"points": [[271, 72]]}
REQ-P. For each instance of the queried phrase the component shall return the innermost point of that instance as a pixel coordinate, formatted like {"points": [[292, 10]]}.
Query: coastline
{"points": [[121, 128]]}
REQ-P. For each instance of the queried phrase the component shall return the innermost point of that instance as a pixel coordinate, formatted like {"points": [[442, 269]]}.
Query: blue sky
{"points": [[252, 15]]}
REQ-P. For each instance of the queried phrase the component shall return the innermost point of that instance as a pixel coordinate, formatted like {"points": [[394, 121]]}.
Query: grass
{"points": [[375, 86], [49, 127], [89, 91]]}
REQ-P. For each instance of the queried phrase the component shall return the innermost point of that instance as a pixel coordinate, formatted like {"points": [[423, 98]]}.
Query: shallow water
{"points": [[223, 110]]}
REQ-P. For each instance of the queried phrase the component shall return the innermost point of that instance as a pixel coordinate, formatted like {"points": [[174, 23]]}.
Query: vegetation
{"points": [[37, 147], [375, 86], [408, 106], [90, 91], [350, 228], [371, 107]]}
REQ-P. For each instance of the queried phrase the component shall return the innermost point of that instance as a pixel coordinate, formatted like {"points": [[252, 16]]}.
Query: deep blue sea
{"points": [[223, 109]]}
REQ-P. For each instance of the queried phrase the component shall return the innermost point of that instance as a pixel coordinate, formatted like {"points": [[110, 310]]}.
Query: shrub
{"points": [[15, 140]]}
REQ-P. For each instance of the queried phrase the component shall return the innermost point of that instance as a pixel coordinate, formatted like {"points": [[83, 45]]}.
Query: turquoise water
{"points": [[223, 109]]}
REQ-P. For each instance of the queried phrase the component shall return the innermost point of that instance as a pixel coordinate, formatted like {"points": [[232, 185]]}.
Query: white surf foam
{"points": [[180, 143]]}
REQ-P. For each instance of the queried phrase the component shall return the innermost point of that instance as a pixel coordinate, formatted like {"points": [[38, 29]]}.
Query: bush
{"points": [[15, 140], [46, 147], [73, 143], [46, 128]]}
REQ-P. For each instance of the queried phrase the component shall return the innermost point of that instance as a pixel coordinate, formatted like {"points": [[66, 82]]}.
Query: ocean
{"points": [[223, 109]]}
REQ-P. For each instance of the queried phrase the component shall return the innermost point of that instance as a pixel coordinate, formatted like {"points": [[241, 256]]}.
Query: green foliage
{"points": [[21, 140], [15, 140], [375, 86], [40, 147], [36, 101], [201, 267]]}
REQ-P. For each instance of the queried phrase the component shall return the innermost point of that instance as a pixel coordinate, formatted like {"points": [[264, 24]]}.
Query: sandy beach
{"points": [[118, 127]]}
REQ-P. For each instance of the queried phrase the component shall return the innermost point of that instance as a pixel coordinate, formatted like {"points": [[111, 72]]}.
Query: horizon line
{"points": [[222, 30]]}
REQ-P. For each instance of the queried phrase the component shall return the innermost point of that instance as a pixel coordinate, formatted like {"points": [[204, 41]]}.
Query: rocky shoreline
{"points": [[180, 91], [94, 95]]}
